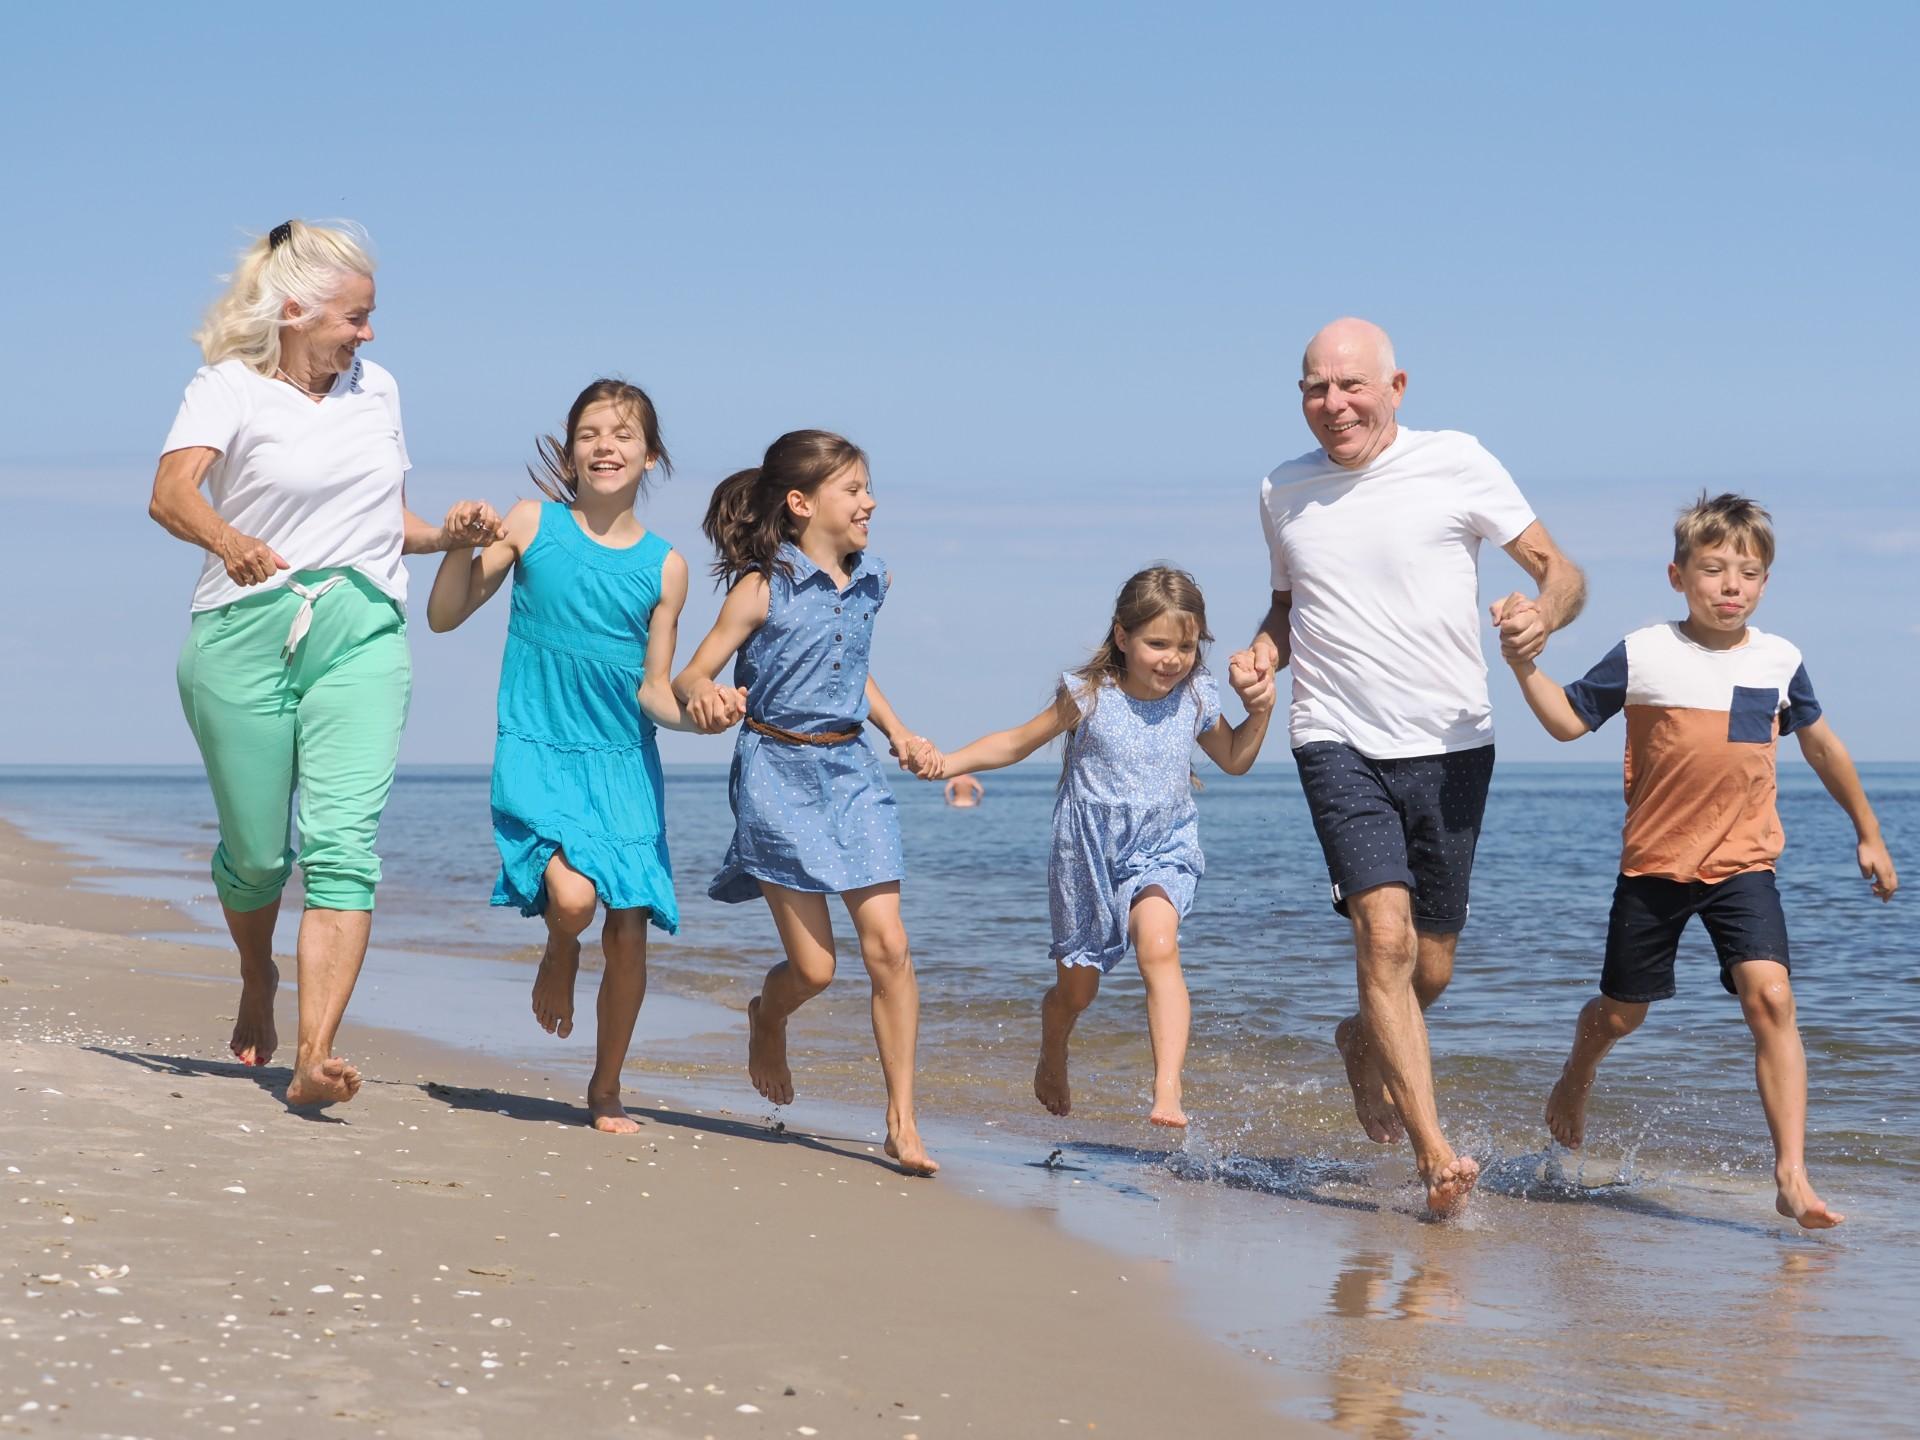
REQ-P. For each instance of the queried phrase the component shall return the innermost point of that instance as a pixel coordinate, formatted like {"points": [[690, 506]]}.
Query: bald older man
{"points": [[1375, 543]]}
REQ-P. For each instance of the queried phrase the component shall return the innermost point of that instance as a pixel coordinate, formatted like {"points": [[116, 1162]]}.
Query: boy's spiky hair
{"points": [[1726, 519]]}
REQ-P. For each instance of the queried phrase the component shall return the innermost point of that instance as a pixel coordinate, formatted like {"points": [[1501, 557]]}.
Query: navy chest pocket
{"points": [[1750, 717]]}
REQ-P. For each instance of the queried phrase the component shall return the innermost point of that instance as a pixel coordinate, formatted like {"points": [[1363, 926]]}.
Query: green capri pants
{"points": [[274, 710]]}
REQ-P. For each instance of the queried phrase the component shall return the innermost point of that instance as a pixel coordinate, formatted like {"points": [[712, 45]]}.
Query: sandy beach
{"points": [[456, 1255]]}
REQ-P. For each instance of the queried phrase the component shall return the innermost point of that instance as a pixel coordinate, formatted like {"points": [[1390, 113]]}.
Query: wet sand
{"points": [[455, 1254]]}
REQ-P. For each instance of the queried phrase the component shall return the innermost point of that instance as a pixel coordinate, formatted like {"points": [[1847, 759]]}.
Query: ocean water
{"points": [[1644, 1286]]}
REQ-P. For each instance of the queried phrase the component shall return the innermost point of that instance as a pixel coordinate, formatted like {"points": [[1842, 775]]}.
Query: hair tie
{"points": [[279, 235]]}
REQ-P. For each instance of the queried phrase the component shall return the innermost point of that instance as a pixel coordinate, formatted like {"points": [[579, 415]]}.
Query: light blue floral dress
{"points": [[810, 817], [575, 767], [1124, 817]]}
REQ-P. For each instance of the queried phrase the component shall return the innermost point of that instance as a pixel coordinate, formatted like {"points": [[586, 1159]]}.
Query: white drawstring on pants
{"points": [[303, 620]]}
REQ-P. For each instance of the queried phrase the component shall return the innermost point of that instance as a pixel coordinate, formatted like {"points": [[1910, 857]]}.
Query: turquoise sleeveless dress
{"points": [[575, 767]]}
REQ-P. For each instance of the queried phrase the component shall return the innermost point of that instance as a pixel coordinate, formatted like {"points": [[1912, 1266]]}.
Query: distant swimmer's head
{"points": [[811, 483], [1158, 634], [1722, 556], [963, 792], [1350, 391], [612, 445], [298, 288]]}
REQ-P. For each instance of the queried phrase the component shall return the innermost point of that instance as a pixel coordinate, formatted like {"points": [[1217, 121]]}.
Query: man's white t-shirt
{"points": [[1383, 563], [319, 482]]}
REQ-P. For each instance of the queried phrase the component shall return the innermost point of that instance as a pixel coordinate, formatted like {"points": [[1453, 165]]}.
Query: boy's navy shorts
{"points": [[1742, 914], [1412, 822]]}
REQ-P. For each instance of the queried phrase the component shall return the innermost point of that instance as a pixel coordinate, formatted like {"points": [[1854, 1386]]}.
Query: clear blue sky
{"points": [[1052, 265]]}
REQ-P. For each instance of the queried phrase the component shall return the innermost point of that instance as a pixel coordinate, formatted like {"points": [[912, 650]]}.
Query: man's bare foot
{"points": [[331, 1081], [254, 1037], [1166, 1107], [1798, 1203], [611, 1117], [1050, 1085], [1449, 1185], [1371, 1102], [906, 1151], [1567, 1110], [767, 1056], [553, 986]]}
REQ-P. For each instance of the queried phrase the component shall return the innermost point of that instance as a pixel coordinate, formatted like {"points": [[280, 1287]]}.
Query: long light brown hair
{"points": [[1145, 597], [556, 476], [748, 519]]}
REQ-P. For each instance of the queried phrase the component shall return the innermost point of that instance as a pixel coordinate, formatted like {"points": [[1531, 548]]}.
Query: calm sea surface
{"points": [[1646, 1288]]}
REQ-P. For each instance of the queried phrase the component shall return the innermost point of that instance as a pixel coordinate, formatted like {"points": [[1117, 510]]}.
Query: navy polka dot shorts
{"points": [[1412, 822]]}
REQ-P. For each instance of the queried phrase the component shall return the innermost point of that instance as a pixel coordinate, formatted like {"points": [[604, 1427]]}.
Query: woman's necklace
{"points": [[310, 394]]}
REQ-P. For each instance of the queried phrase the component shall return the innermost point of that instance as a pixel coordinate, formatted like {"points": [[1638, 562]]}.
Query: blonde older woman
{"points": [[295, 673]]}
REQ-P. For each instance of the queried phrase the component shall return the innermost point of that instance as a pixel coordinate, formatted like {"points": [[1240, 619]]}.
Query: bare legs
{"points": [[255, 1037], [623, 986], [1779, 1072], [1392, 1030], [1432, 971], [1153, 925], [333, 943], [806, 934], [1603, 1022], [1073, 989], [571, 901]]}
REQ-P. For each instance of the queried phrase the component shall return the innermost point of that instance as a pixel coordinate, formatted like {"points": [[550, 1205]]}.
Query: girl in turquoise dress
{"points": [[812, 815], [577, 810], [1126, 834]]}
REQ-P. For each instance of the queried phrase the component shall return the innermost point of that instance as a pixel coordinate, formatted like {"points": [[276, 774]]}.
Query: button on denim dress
{"points": [[818, 818]]}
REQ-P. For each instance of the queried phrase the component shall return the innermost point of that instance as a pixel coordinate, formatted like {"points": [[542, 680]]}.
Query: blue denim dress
{"points": [[575, 766], [1124, 817], [818, 818]]}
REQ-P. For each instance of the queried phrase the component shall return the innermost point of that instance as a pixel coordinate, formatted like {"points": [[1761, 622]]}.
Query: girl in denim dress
{"points": [[812, 815], [1126, 834]]}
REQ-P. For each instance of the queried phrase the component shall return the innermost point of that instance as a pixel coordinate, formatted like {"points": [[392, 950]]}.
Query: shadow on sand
{"points": [[541, 1111]]}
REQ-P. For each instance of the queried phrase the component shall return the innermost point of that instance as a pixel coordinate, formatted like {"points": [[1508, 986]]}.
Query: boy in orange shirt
{"points": [[1706, 699]]}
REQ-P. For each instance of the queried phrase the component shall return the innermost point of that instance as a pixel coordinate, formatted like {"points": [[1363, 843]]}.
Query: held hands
{"points": [[918, 756], [1522, 626], [718, 707], [1251, 682], [470, 523], [1876, 865], [248, 561]]}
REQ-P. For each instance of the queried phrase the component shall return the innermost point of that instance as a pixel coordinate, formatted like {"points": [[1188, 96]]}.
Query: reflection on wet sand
{"points": [[1377, 1361]]}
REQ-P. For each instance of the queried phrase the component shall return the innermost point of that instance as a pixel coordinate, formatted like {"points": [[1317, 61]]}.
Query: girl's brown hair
{"points": [[556, 477], [1145, 597], [748, 519]]}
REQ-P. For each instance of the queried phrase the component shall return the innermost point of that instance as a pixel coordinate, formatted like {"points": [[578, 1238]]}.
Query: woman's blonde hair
{"points": [[293, 261]]}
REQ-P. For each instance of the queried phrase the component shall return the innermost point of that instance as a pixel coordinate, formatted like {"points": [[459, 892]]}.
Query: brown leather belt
{"points": [[795, 737]]}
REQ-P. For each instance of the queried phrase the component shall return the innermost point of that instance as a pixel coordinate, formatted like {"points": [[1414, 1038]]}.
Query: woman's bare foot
{"points": [[1567, 1109], [1166, 1106], [1050, 1085], [767, 1056], [1371, 1102], [254, 1037], [1449, 1184], [906, 1149], [553, 986], [331, 1081], [611, 1117], [1798, 1203]]}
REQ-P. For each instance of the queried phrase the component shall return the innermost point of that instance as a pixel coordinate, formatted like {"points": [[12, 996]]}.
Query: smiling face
{"points": [[1723, 585], [609, 451], [1159, 654], [1350, 392], [326, 342], [838, 512]]}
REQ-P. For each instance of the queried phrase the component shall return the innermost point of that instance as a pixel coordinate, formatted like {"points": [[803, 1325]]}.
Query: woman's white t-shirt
{"points": [[321, 482], [1383, 564]]}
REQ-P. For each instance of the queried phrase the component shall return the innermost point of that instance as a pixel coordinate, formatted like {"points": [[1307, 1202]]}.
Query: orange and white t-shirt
{"points": [[1701, 727]]}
